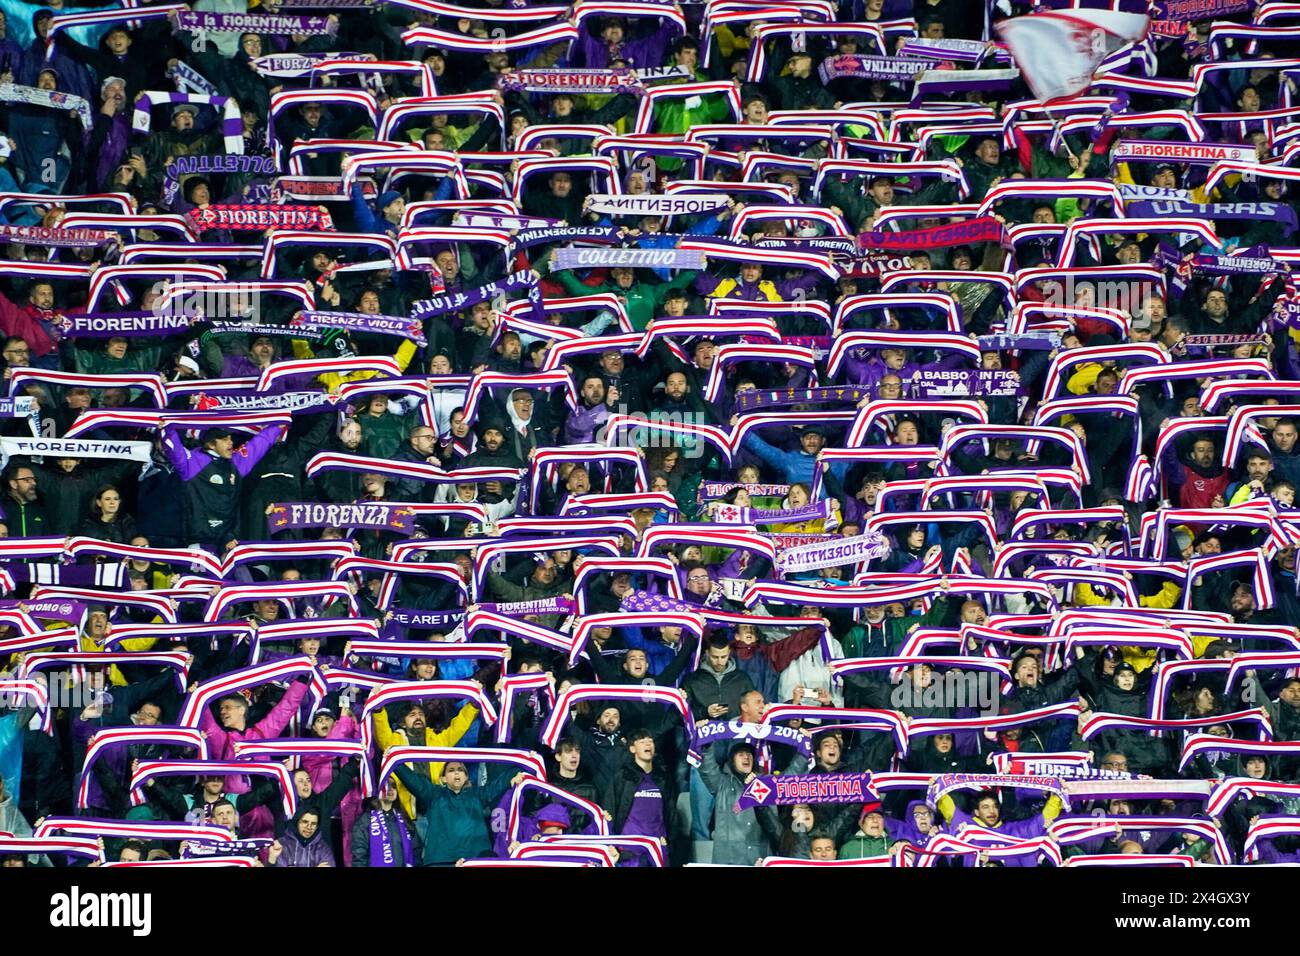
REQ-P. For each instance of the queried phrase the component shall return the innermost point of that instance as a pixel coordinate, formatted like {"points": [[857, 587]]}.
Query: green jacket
{"points": [[857, 643], [457, 823], [861, 846], [643, 300]]}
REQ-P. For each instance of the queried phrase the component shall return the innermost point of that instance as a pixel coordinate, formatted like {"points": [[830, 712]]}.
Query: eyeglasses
{"points": [[17, 351]]}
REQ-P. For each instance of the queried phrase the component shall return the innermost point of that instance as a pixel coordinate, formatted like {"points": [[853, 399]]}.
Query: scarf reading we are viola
{"points": [[789, 788], [256, 217], [50, 99], [272, 25], [771, 398], [980, 229], [60, 238]]}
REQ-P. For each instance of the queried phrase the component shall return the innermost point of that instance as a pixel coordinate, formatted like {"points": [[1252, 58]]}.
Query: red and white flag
{"points": [[1058, 51]]}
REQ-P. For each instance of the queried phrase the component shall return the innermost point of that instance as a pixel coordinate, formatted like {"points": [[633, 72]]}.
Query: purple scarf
{"points": [[551, 605], [767, 398], [455, 301], [374, 324], [381, 841]]}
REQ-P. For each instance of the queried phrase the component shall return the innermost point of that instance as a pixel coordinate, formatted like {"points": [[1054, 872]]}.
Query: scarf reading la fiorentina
{"points": [[786, 789], [201, 21], [768, 398]]}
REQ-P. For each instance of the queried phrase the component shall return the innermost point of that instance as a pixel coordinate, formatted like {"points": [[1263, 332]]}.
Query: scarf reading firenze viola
{"points": [[381, 839], [360, 322], [980, 229], [768, 398], [256, 217]]}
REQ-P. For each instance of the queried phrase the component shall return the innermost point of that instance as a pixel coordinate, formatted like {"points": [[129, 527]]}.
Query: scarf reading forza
{"points": [[789, 788], [307, 514]]}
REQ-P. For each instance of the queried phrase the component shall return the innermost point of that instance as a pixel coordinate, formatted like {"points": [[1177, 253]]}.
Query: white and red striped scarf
{"points": [[118, 736], [514, 684], [529, 761], [236, 680], [642, 693]]}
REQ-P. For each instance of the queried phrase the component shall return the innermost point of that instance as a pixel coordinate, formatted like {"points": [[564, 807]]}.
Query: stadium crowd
{"points": [[645, 434]]}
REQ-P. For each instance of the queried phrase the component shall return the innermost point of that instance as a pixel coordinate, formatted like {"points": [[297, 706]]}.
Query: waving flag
{"points": [[1058, 51]]}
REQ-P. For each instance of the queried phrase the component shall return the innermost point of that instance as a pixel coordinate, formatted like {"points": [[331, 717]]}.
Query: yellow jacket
{"points": [[90, 646], [386, 737], [332, 380], [1140, 658]]}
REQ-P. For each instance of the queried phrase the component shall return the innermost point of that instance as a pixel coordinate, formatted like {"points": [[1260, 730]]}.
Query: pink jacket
{"points": [[221, 742]]}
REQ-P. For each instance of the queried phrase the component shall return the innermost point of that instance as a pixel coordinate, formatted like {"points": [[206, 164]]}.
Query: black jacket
{"points": [[623, 789], [703, 687]]}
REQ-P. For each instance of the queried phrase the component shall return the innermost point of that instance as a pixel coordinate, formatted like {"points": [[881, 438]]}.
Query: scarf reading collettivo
{"points": [[207, 165]]}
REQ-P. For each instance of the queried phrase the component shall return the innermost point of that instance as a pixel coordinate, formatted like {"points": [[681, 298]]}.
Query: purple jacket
{"points": [[580, 427], [190, 464], [648, 51], [312, 853]]}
